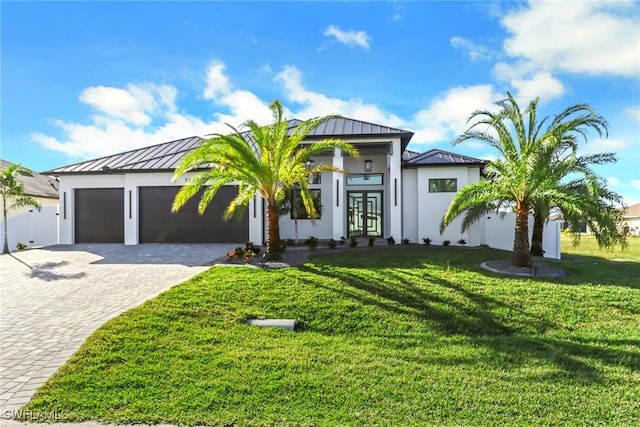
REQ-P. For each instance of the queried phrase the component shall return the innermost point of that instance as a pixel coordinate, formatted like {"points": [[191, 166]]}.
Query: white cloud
{"points": [[603, 146], [546, 38], [243, 105], [529, 81], [447, 115], [503, 71], [613, 181], [397, 14], [349, 37], [146, 114], [217, 83], [578, 37], [629, 190], [316, 104], [105, 136], [475, 52], [541, 85], [142, 115], [634, 112], [133, 104]]}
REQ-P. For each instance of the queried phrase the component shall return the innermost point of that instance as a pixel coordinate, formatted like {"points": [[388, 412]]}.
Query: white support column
{"points": [[395, 192], [338, 199], [65, 218], [130, 211], [256, 215]]}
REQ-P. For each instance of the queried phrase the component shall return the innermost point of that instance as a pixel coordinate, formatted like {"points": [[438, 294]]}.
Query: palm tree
{"points": [[525, 172], [265, 161], [596, 207], [595, 199], [13, 196], [588, 198]]}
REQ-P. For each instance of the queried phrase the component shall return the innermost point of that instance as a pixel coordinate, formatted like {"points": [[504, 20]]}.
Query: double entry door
{"points": [[364, 213]]}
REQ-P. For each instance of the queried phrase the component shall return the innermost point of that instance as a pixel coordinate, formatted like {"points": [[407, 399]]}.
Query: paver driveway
{"points": [[52, 299]]}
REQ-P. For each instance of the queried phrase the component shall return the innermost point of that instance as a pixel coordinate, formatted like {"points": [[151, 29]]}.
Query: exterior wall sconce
{"points": [[368, 165], [309, 164]]}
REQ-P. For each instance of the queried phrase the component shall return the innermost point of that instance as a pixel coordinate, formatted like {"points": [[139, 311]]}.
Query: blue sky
{"points": [[86, 79]]}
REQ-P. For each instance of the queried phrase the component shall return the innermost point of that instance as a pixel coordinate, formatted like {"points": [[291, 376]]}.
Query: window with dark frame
{"points": [[364, 179], [314, 178], [298, 210], [443, 185]]}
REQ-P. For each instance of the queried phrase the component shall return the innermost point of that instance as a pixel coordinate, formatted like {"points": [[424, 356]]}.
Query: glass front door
{"points": [[364, 213]]}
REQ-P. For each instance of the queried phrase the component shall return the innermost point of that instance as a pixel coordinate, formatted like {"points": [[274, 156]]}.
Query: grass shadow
{"points": [[580, 269], [587, 269], [454, 309]]}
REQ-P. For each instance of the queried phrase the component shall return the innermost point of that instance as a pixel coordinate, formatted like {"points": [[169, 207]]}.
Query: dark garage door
{"points": [[159, 225], [99, 215]]}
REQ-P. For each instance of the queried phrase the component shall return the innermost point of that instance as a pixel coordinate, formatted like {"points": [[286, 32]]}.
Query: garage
{"points": [[159, 225], [99, 215]]}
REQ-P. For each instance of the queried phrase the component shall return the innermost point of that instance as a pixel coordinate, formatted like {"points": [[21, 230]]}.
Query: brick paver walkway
{"points": [[52, 299]]}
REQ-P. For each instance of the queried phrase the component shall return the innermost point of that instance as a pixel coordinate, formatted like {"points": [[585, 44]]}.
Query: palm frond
{"points": [[23, 202], [472, 196]]}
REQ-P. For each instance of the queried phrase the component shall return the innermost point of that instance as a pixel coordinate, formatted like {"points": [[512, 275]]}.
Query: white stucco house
{"points": [[29, 225], [387, 191]]}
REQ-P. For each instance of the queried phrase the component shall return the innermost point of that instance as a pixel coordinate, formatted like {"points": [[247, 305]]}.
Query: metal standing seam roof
{"points": [[160, 157], [409, 154], [338, 127], [436, 157], [167, 156], [35, 184]]}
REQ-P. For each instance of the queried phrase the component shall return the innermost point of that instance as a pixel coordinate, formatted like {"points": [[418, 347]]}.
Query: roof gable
{"points": [[343, 126], [436, 157], [631, 211]]}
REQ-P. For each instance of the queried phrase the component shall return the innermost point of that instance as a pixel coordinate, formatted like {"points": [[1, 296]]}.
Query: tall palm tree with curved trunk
{"points": [[13, 196], [524, 174], [263, 161]]}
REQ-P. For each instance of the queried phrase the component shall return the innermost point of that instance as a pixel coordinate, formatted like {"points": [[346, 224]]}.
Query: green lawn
{"points": [[589, 247], [411, 335]]}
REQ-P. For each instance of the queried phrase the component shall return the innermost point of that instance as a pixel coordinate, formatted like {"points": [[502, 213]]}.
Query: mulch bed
{"points": [[536, 270], [299, 255], [289, 258], [292, 256]]}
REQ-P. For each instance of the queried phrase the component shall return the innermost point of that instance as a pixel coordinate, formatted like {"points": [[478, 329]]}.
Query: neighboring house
{"points": [[565, 225], [631, 218], [32, 226], [387, 191]]}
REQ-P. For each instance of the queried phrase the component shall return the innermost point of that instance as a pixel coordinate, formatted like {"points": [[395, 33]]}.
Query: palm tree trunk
{"points": [[5, 249], [536, 237], [521, 255], [273, 232]]}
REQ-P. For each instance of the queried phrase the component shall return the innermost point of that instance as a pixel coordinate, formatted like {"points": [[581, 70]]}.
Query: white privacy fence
{"points": [[499, 233], [33, 227]]}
